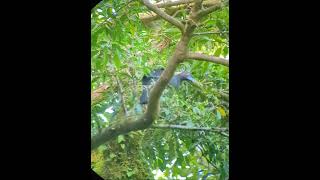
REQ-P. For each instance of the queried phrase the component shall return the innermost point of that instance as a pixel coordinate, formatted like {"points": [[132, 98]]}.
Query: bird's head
{"points": [[188, 77]]}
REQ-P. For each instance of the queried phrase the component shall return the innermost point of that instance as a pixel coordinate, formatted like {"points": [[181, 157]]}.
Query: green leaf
{"points": [[166, 147], [116, 59], [102, 148], [225, 51], [175, 171], [130, 173], [217, 52], [205, 67], [105, 58], [205, 38], [112, 155], [121, 138], [167, 173], [184, 172], [162, 166], [172, 150], [122, 146]]}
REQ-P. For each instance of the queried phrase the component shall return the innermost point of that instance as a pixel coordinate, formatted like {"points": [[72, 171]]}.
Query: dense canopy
{"points": [[179, 132]]}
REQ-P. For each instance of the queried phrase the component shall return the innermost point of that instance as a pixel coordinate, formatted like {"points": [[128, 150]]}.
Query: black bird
{"points": [[155, 75], [178, 78], [146, 83]]}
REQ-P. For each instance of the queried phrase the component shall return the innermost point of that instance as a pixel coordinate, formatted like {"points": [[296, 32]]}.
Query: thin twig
{"points": [[203, 155], [120, 90], [177, 12], [214, 129], [205, 33], [208, 58], [221, 131]]}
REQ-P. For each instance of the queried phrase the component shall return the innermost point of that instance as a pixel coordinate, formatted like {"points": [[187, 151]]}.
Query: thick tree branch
{"points": [[122, 126], [164, 15], [204, 57], [148, 17], [173, 3], [197, 6]]}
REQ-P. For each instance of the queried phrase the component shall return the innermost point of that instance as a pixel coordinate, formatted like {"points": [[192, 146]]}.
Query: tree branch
{"points": [[121, 126], [197, 6], [164, 15], [205, 33], [173, 3], [146, 18], [204, 57], [179, 2], [121, 96], [177, 12], [170, 126], [208, 10], [213, 129]]}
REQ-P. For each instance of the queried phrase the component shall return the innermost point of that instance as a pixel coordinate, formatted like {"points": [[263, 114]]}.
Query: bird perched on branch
{"points": [[176, 80]]}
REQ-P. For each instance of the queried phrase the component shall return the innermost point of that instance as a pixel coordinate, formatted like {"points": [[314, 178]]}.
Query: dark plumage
{"points": [[175, 81], [178, 78]]}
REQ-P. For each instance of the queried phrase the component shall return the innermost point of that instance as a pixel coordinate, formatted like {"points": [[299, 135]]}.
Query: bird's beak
{"points": [[194, 82], [191, 79]]}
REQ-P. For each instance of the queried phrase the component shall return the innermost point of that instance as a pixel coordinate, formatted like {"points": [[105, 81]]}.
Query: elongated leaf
{"points": [[116, 59], [217, 52]]}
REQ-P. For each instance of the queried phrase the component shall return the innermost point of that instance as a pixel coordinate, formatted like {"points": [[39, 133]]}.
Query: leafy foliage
{"points": [[124, 48]]}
